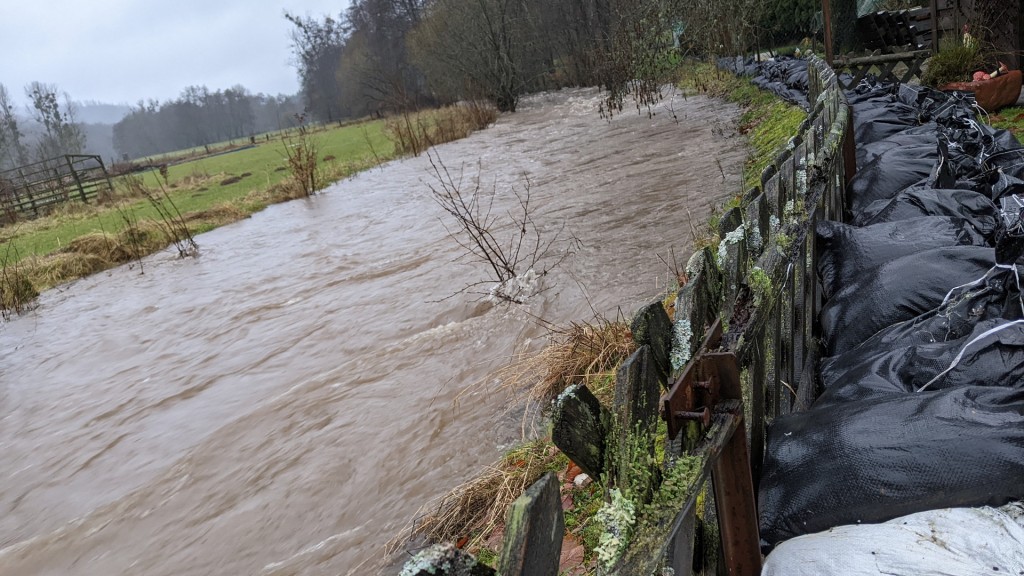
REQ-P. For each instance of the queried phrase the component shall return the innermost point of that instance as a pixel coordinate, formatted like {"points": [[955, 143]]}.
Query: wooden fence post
{"points": [[579, 428], [636, 406], [534, 531], [652, 327]]}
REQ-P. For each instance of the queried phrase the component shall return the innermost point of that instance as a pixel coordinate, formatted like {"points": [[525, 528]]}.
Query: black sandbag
{"points": [[739, 65], [898, 290], [873, 122], [946, 107], [890, 172], [995, 298], [785, 77], [874, 460], [846, 252], [909, 136], [870, 94], [976, 208], [1010, 162], [906, 360]]}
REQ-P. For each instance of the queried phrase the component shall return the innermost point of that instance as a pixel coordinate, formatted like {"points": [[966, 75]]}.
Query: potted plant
{"points": [[960, 65]]}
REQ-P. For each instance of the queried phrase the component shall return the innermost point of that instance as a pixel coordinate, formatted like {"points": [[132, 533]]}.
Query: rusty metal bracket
{"points": [[708, 389], [708, 378]]}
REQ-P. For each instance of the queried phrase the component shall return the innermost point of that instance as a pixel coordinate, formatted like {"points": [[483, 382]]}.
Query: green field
{"points": [[146, 213], [208, 191]]}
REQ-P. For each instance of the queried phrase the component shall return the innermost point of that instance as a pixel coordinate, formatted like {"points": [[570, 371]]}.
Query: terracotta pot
{"points": [[1003, 90]]}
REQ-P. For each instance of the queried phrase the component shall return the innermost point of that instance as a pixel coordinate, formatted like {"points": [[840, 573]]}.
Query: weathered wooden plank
{"points": [[579, 429], [637, 390], [651, 326], [697, 306], [730, 221], [637, 395], [732, 254], [534, 530], [657, 524], [680, 550], [758, 220], [771, 194]]}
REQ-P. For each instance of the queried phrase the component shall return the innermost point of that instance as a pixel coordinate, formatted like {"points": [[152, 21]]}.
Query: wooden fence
{"points": [[740, 351], [34, 189], [899, 42]]}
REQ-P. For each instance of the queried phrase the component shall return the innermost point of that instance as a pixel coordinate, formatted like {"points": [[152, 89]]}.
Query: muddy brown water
{"points": [[284, 403]]}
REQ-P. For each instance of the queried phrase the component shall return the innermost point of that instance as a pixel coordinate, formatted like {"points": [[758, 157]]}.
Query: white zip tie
{"points": [[960, 356], [968, 285]]}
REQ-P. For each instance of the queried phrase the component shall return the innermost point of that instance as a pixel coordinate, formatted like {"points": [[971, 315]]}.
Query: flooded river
{"points": [[284, 403]]}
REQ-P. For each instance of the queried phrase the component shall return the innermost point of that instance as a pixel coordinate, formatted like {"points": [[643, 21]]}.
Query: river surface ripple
{"points": [[284, 403]]}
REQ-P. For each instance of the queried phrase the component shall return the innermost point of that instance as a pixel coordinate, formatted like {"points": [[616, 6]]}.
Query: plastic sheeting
{"points": [[898, 290], [846, 252], [974, 207], [873, 460], [945, 542]]}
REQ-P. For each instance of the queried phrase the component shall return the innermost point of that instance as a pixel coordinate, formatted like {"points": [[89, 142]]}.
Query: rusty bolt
{"points": [[703, 416]]}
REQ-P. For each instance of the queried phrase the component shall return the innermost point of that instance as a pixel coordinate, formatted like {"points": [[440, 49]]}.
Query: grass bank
{"points": [[767, 121], [78, 239], [1011, 119], [472, 515]]}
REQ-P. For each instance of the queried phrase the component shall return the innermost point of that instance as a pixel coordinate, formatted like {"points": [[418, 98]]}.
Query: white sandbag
{"points": [[948, 542]]}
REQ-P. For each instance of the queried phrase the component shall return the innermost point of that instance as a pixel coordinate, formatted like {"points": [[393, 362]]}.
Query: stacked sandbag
{"points": [[946, 541], [786, 77], [923, 336]]}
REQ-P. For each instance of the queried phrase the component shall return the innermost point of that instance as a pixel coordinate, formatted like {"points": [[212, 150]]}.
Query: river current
{"points": [[285, 402]]}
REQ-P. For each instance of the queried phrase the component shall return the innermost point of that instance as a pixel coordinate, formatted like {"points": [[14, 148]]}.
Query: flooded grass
{"points": [[218, 189], [208, 192], [413, 133]]}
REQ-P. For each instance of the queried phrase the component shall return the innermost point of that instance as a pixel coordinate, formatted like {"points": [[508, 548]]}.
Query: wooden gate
{"points": [[34, 189]]}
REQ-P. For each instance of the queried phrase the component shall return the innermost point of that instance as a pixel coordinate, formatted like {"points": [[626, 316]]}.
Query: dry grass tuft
{"points": [[280, 192], [106, 247], [475, 509], [60, 267], [218, 215], [414, 132], [93, 253], [16, 290], [585, 353], [197, 179]]}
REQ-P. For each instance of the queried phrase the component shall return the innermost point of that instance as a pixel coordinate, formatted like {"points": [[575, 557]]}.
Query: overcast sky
{"points": [[121, 51]]}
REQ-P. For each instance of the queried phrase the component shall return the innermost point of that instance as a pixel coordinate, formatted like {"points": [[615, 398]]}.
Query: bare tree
{"points": [[317, 47], [12, 147], [61, 133], [517, 253], [479, 48]]}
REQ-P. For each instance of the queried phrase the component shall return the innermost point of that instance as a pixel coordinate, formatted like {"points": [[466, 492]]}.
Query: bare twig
{"points": [[514, 262]]}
